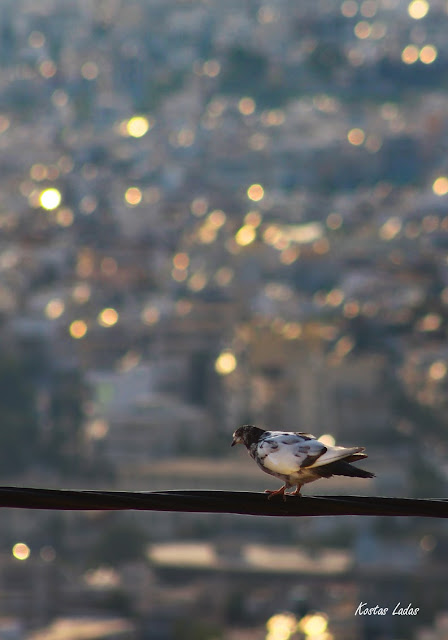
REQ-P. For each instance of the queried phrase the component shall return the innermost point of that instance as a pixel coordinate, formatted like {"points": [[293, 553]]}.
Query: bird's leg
{"points": [[297, 491], [278, 492]]}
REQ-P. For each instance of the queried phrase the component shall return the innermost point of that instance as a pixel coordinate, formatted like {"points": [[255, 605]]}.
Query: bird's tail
{"points": [[342, 468], [332, 454]]}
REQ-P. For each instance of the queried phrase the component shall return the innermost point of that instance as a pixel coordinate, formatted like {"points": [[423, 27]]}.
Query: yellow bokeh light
{"points": [[78, 329], [150, 315], [50, 199], [47, 69], [21, 551], [335, 297], [440, 186], [199, 207], [97, 429], [292, 330], [211, 68], [281, 626], [253, 218], [334, 221], [390, 228], [258, 141], [38, 172], [88, 204], [246, 235], [289, 255], [327, 439], [86, 263], [410, 54], [108, 317], [430, 224], [183, 307], [179, 275], [55, 308], [59, 98], [430, 322], [418, 9], [225, 363], [356, 137], [216, 218], [224, 276], [207, 234], [197, 281], [81, 293], [273, 118], [369, 8], [185, 137], [133, 196], [351, 310], [255, 192], [349, 8], [321, 246], [314, 624], [4, 123], [89, 70], [428, 54], [181, 261], [246, 106], [362, 30], [65, 217], [36, 39], [373, 143], [437, 371]]}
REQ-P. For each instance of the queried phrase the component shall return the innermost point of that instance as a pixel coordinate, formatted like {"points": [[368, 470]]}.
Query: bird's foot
{"points": [[297, 491], [278, 492]]}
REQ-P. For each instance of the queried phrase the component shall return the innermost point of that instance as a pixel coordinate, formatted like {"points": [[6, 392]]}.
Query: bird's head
{"points": [[247, 435]]}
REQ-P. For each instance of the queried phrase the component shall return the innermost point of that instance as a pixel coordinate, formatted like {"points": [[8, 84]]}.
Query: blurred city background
{"points": [[215, 213]]}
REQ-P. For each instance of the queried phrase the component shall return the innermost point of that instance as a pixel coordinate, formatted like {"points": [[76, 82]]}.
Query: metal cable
{"points": [[240, 502]]}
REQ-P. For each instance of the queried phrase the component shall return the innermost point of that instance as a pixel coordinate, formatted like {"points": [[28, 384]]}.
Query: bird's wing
{"points": [[287, 453], [332, 454]]}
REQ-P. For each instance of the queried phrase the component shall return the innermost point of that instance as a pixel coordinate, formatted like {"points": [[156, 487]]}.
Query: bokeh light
{"points": [[78, 329], [55, 308], [108, 317], [21, 551], [245, 235], [349, 8], [314, 624], [327, 439], [50, 199], [181, 261], [356, 137], [137, 126], [255, 192], [246, 106], [281, 626], [418, 9], [133, 196], [438, 370], [150, 315], [225, 363], [410, 54], [428, 54], [440, 186], [89, 70]]}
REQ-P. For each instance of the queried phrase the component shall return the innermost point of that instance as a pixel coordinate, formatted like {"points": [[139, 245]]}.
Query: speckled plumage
{"points": [[298, 458]]}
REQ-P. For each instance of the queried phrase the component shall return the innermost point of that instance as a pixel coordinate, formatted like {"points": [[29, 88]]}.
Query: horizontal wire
{"points": [[239, 502]]}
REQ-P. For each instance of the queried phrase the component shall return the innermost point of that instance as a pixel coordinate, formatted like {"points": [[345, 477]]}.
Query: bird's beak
{"points": [[234, 442]]}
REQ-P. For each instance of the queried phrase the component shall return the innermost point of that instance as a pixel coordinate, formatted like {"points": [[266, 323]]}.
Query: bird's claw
{"points": [[281, 492], [278, 492]]}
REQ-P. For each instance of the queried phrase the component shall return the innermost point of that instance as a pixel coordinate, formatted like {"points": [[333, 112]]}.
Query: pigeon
{"points": [[298, 458]]}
